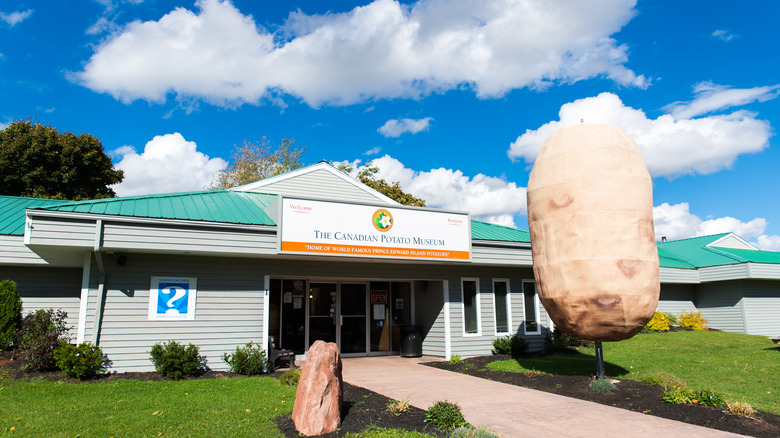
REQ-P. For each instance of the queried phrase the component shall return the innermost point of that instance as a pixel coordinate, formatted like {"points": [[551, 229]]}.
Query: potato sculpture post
{"points": [[590, 214]]}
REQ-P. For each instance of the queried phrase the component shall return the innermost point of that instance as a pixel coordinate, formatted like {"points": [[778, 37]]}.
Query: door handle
{"points": [[341, 320]]}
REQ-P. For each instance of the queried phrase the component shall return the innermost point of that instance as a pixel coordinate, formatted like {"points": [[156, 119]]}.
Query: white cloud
{"points": [[15, 18], [670, 147], [712, 97], [487, 198], [724, 35], [169, 163], [373, 151], [677, 222], [381, 50], [396, 127]]}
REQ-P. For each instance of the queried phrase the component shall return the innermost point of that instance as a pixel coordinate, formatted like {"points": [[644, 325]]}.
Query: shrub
{"points": [[290, 377], [502, 345], [601, 385], [455, 359], [693, 320], [398, 406], [678, 395], [40, 334], [445, 414], [740, 408], [659, 322], [673, 319], [10, 313], [248, 360], [709, 397], [558, 341], [174, 360], [664, 380], [84, 361], [470, 432]]}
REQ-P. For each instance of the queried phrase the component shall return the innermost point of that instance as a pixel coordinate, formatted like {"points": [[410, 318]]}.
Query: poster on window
{"points": [[172, 298]]}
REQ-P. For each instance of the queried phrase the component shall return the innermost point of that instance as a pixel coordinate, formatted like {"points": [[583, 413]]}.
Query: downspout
{"points": [[101, 283]]}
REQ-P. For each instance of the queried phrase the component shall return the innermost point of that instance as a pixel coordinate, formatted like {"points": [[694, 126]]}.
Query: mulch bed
{"points": [[631, 395]]}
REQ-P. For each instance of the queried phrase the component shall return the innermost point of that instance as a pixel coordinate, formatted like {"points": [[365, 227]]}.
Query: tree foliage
{"points": [[367, 176], [251, 162], [38, 161]]}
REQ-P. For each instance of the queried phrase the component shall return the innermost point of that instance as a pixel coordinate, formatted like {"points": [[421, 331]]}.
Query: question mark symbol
{"points": [[178, 293]]}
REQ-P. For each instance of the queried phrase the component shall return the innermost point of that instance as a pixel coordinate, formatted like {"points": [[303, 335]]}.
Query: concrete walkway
{"points": [[509, 410]]}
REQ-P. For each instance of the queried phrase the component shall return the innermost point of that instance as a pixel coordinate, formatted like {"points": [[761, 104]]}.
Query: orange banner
{"points": [[373, 251]]}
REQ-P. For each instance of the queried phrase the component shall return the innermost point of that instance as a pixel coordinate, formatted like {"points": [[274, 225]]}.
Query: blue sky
{"points": [[450, 98]]}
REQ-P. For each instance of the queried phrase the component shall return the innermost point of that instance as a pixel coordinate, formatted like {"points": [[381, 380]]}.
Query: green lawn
{"points": [[132, 408], [740, 367]]}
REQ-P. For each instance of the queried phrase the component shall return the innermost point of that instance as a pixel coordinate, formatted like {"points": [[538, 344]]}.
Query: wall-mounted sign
{"points": [[333, 228], [172, 298]]}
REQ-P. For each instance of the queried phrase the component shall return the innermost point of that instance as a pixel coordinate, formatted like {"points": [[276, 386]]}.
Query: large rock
{"points": [[317, 408], [590, 214]]}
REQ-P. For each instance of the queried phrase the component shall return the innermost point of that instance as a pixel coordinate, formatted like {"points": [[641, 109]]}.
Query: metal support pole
{"points": [[599, 361]]}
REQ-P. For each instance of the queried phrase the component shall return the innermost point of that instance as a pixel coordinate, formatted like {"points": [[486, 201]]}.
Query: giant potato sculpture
{"points": [[590, 213]]}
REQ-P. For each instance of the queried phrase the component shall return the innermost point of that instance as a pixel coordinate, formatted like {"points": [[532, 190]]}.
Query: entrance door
{"points": [[322, 312], [352, 305]]}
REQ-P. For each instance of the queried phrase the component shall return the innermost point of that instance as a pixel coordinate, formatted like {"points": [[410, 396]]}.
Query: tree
{"points": [[367, 176], [39, 161], [251, 162]]}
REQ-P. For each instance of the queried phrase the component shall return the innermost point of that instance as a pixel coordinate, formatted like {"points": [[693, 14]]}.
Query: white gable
{"points": [[321, 181], [732, 241]]}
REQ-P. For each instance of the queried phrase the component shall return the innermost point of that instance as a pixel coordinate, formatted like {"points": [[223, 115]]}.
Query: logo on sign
{"points": [[382, 220], [172, 298]]}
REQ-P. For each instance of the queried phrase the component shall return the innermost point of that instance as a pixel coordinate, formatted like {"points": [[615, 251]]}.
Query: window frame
{"points": [[463, 280], [536, 310], [508, 299]]}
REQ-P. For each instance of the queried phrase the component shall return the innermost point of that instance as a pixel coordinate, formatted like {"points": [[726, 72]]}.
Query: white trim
{"points": [[477, 298], [729, 236], [508, 307], [536, 305], [82, 327], [255, 186], [447, 328], [266, 311]]}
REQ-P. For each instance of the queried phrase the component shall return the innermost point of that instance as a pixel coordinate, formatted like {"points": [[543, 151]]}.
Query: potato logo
{"points": [[382, 220], [590, 214]]}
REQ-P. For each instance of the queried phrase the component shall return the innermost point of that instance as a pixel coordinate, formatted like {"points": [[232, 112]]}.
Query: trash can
{"points": [[411, 341]]}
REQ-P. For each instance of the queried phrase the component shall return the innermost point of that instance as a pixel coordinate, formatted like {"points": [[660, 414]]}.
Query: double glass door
{"points": [[337, 313]]}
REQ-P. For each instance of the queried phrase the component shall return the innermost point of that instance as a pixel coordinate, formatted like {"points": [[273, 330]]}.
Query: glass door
{"points": [[322, 312], [352, 305]]}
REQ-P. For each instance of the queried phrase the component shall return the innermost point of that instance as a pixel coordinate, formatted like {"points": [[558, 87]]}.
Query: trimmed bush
{"points": [[174, 360], [10, 313], [290, 377], [659, 322], [83, 361], [510, 344], [446, 414], [248, 360], [693, 320], [40, 334], [559, 341]]}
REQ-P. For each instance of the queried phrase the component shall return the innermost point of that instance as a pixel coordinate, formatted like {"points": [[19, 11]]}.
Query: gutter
{"points": [[101, 294]]}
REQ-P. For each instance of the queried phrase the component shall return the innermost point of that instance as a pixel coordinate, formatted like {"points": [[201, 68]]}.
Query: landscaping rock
{"points": [[317, 408]]}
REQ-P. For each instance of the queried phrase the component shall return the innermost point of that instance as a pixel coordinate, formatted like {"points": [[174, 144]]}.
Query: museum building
{"points": [[313, 254]]}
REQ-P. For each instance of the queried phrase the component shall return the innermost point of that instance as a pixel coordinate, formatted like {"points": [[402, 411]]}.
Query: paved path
{"points": [[509, 410]]}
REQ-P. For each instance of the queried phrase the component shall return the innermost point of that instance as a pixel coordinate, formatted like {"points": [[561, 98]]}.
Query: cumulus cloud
{"points": [[395, 127], [670, 147], [373, 151], [380, 50], [14, 18], [487, 198], [677, 222], [724, 35], [169, 163], [712, 97]]}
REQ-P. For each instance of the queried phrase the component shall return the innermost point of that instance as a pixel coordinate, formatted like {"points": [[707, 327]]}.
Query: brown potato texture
{"points": [[590, 214]]}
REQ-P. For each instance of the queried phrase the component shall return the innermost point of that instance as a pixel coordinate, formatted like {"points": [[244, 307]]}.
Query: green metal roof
{"points": [[754, 256], [696, 252], [668, 260], [12, 212], [485, 231], [223, 206]]}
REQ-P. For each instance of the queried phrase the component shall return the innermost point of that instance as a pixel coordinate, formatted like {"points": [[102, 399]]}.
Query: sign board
{"points": [[378, 296], [172, 298], [340, 229]]}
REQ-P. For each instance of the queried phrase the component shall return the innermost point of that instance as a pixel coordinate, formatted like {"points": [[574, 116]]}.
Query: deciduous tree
{"points": [[251, 162], [367, 176]]}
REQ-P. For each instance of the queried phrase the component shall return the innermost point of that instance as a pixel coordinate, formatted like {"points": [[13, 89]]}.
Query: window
{"points": [[470, 306], [531, 307], [501, 305]]}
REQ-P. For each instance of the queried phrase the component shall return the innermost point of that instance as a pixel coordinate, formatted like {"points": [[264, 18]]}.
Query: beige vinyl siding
{"points": [[764, 271], [429, 315], [319, 184], [762, 307], [674, 275], [47, 288], [130, 237], [14, 252], [500, 255], [721, 303], [676, 298], [62, 232], [721, 273]]}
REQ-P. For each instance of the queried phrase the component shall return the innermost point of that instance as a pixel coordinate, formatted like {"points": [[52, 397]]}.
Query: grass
{"points": [[132, 408], [739, 367], [379, 432]]}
